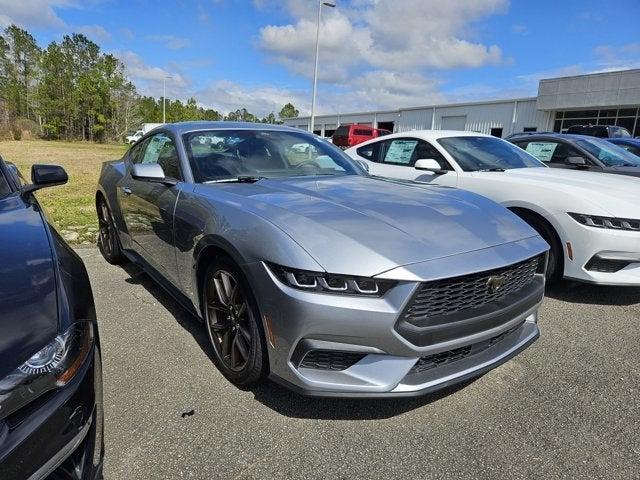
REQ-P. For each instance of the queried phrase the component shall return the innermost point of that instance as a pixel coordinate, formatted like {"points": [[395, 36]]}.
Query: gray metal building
{"points": [[610, 98]]}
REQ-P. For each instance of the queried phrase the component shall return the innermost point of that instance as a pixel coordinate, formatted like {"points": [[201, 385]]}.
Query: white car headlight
{"points": [[606, 222], [331, 283], [53, 366]]}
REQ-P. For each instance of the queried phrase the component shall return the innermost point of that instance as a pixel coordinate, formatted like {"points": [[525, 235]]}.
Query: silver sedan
{"points": [[306, 269]]}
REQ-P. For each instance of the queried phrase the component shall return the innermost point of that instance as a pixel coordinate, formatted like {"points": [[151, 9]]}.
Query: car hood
{"points": [[28, 304], [364, 226], [607, 193]]}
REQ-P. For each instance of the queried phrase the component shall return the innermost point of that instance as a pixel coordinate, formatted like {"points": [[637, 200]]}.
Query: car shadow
{"points": [[576, 292], [274, 396]]}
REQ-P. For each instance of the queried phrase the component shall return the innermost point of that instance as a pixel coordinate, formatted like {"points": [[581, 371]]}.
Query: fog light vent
{"points": [[330, 359]]}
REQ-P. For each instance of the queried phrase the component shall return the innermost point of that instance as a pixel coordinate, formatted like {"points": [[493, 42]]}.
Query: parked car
{"points": [[579, 152], [133, 138], [328, 280], [600, 131], [348, 135], [591, 220], [50, 370], [146, 127], [629, 144]]}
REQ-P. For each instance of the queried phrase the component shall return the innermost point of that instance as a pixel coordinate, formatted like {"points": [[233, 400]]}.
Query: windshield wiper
{"points": [[495, 169], [238, 179]]}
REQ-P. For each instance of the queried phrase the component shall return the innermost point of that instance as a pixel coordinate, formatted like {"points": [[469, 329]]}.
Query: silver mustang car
{"points": [[305, 268]]}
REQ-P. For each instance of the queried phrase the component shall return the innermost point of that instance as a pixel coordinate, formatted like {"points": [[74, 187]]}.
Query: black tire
{"points": [[555, 266], [233, 325], [108, 240]]}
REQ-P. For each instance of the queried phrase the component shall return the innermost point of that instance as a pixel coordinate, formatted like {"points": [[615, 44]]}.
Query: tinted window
{"points": [[160, 149], [264, 153], [4, 186], [361, 132], [342, 130], [608, 153], [370, 152], [486, 153], [619, 132]]}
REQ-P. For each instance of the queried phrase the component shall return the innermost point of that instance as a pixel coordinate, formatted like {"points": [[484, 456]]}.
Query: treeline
{"points": [[72, 90]]}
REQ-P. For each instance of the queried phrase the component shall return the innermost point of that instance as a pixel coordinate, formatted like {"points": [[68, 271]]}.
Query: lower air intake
{"points": [[330, 360]]}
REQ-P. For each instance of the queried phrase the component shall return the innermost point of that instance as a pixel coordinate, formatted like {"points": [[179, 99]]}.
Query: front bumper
{"points": [[40, 437], [386, 361], [590, 244]]}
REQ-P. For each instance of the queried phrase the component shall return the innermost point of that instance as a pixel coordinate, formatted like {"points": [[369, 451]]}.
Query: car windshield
{"points": [[608, 153], [219, 155], [475, 154]]}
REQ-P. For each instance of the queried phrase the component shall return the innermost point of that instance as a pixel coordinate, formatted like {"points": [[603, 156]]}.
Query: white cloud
{"points": [[171, 41], [95, 32], [203, 15], [149, 79], [618, 57], [403, 34], [520, 29], [32, 13]]}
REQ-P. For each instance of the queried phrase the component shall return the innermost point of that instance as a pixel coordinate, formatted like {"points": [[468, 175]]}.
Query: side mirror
{"points": [[43, 176], [577, 161], [151, 172], [364, 165], [429, 165]]}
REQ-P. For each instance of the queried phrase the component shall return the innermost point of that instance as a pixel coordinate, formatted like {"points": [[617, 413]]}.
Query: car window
{"points": [[487, 153], [552, 152], [363, 132], [608, 153], [160, 149], [263, 153], [620, 132], [399, 151], [342, 130], [5, 189], [370, 151], [630, 148]]}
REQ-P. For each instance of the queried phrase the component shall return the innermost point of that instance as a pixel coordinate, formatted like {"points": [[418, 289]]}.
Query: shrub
{"points": [[17, 132], [29, 128]]}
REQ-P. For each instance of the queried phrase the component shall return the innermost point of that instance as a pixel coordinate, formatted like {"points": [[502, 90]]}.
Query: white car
{"points": [[131, 139], [591, 220]]}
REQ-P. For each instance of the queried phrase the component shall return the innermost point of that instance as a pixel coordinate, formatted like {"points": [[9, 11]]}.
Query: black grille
{"points": [[432, 361], [330, 359], [442, 297], [603, 265]]}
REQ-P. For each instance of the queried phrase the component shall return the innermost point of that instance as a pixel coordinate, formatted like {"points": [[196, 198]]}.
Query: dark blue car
{"points": [[629, 144], [51, 417]]}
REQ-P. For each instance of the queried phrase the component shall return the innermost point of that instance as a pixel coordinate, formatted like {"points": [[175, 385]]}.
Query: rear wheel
{"points": [[108, 241], [232, 322]]}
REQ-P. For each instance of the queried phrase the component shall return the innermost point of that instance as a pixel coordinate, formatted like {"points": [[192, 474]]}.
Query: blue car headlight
{"points": [[53, 366]]}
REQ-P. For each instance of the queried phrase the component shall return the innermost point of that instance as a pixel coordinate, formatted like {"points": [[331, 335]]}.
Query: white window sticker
{"points": [[543, 151], [400, 151]]}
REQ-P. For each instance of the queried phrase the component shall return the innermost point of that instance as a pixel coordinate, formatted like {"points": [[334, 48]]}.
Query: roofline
{"points": [[424, 107], [594, 74]]}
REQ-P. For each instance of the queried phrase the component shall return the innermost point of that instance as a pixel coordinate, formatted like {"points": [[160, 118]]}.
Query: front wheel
{"points": [[555, 265], [232, 321]]}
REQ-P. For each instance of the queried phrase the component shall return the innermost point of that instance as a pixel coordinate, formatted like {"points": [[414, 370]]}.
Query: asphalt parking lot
{"points": [[568, 407]]}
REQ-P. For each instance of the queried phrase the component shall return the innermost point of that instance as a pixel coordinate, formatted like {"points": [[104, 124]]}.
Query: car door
{"points": [[396, 158], [148, 207], [556, 154]]}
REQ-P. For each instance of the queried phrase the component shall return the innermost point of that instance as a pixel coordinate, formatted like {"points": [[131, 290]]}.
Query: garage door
{"points": [[454, 123]]}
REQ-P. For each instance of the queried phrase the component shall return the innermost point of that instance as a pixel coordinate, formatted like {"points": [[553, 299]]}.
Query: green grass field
{"points": [[71, 206]]}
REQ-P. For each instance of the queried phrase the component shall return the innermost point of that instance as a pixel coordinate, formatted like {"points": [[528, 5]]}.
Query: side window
{"points": [[400, 151], [160, 149], [552, 152], [4, 186], [370, 151]]}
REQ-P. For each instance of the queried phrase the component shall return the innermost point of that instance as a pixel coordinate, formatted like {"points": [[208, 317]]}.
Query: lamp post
{"points": [[164, 98], [321, 3]]}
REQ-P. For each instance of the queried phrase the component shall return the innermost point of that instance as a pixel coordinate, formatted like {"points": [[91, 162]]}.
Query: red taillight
{"points": [[350, 141]]}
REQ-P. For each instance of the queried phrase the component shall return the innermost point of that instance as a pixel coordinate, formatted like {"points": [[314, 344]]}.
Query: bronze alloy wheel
{"points": [[229, 320]]}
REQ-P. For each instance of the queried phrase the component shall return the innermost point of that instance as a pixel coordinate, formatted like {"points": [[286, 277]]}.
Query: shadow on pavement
{"points": [[278, 398], [575, 292]]}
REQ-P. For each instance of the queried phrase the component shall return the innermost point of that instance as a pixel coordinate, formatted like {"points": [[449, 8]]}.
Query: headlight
{"points": [[611, 223], [51, 367], [331, 283]]}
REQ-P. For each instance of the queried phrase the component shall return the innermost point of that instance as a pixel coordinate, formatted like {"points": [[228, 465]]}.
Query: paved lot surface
{"points": [[568, 407]]}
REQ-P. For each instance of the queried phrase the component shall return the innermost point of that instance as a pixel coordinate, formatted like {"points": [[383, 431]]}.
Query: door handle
{"points": [[126, 190]]}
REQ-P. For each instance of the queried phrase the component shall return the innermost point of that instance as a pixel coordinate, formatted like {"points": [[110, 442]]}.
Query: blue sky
{"points": [[374, 53]]}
